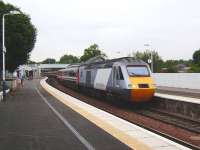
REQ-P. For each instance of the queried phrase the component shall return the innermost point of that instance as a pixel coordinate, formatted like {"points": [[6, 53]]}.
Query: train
{"points": [[126, 78]]}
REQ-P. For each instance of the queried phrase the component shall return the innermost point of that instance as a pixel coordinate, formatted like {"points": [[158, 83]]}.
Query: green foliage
{"points": [[194, 69], [172, 69], [157, 60], [5, 8], [196, 57], [49, 61], [170, 63], [91, 51], [20, 36], [169, 66], [69, 59]]}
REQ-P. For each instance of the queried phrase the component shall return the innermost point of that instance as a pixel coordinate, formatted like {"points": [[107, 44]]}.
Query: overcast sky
{"points": [[171, 27]]}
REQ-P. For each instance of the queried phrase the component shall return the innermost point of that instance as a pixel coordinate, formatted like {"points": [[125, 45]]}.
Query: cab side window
{"points": [[119, 75]]}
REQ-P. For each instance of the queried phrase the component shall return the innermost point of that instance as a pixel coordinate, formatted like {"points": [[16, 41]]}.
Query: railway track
{"points": [[151, 113], [181, 130], [191, 125]]}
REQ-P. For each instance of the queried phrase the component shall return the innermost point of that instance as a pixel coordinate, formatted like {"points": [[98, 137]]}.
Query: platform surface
{"points": [[27, 123], [179, 94], [185, 92]]}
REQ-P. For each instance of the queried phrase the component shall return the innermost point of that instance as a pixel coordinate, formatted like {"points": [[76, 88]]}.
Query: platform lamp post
{"points": [[4, 51], [151, 58]]}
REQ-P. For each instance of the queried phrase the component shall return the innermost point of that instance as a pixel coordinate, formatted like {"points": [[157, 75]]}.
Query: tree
{"points": [[49, 61], [69, 59], [20, 36], [91, 51], [196, 57], [170, 63], [172, 69], [157, 60], [194, 69]]}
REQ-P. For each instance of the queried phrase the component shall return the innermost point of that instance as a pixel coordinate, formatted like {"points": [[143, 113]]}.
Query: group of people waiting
{"points": [[19, 76]]}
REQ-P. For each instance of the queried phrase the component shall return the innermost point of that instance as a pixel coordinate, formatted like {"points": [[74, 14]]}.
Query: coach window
{"points": [[72, 73], [81, 74], [65, 73]]}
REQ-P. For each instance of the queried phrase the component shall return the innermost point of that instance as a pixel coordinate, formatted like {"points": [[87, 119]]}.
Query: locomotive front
{"points": [[141, 84]]}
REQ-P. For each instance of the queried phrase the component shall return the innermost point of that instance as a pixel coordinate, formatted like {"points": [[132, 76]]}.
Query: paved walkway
{"points": [[27, 123]]}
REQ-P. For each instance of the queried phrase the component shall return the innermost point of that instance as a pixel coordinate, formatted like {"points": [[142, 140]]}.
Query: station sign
{"points": [[149, 61]]}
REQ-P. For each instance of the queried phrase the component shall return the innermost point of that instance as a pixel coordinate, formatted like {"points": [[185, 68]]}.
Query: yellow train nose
{"points": [[142, 95], [142, 90]]}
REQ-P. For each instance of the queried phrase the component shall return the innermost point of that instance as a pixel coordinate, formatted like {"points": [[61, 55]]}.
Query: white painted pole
{"points": [[3, 53], [151, 51], [3, 44], [152, 61]]}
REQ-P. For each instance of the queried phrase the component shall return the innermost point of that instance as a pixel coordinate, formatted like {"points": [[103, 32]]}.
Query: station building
{"points": [[40, 69]]}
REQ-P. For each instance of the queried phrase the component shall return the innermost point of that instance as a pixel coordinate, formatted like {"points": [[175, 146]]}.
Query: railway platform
{"points": [[181, 101], [176, 91], [40, 117], [28, 123]]}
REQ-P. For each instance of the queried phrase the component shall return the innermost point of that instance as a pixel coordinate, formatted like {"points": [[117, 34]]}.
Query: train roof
{"points": [[96, 59], [110, 62], [101, 62], [73, 65]]}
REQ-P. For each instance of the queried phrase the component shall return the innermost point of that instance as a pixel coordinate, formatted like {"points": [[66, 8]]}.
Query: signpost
{"points": [[150, 60]]}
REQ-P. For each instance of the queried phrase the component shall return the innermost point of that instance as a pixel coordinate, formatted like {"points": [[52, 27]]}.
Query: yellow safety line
{"points": [[120, 135]]}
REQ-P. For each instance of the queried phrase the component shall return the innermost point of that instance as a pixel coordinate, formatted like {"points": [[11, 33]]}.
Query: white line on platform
{"points": [[178, 98], [66, 123]]}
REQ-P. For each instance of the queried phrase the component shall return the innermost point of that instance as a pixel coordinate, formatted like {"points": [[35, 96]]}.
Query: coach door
{"points": [[88, 78]]}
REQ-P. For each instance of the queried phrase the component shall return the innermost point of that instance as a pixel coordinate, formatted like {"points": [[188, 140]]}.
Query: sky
{"points": [[119, 27]]}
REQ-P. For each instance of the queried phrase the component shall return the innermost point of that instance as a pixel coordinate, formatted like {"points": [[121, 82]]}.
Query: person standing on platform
{"points": [[21, 77], [14, 83], [31, 74]]}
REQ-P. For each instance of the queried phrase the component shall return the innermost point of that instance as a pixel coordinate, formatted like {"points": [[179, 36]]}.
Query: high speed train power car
{"points": [[126, 78]]}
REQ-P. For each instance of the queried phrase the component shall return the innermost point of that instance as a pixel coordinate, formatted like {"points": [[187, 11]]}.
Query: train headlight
{"points": [[131, 86]]}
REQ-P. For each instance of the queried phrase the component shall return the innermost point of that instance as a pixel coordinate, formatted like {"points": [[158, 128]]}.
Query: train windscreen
{"points": [[138, 71]]}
